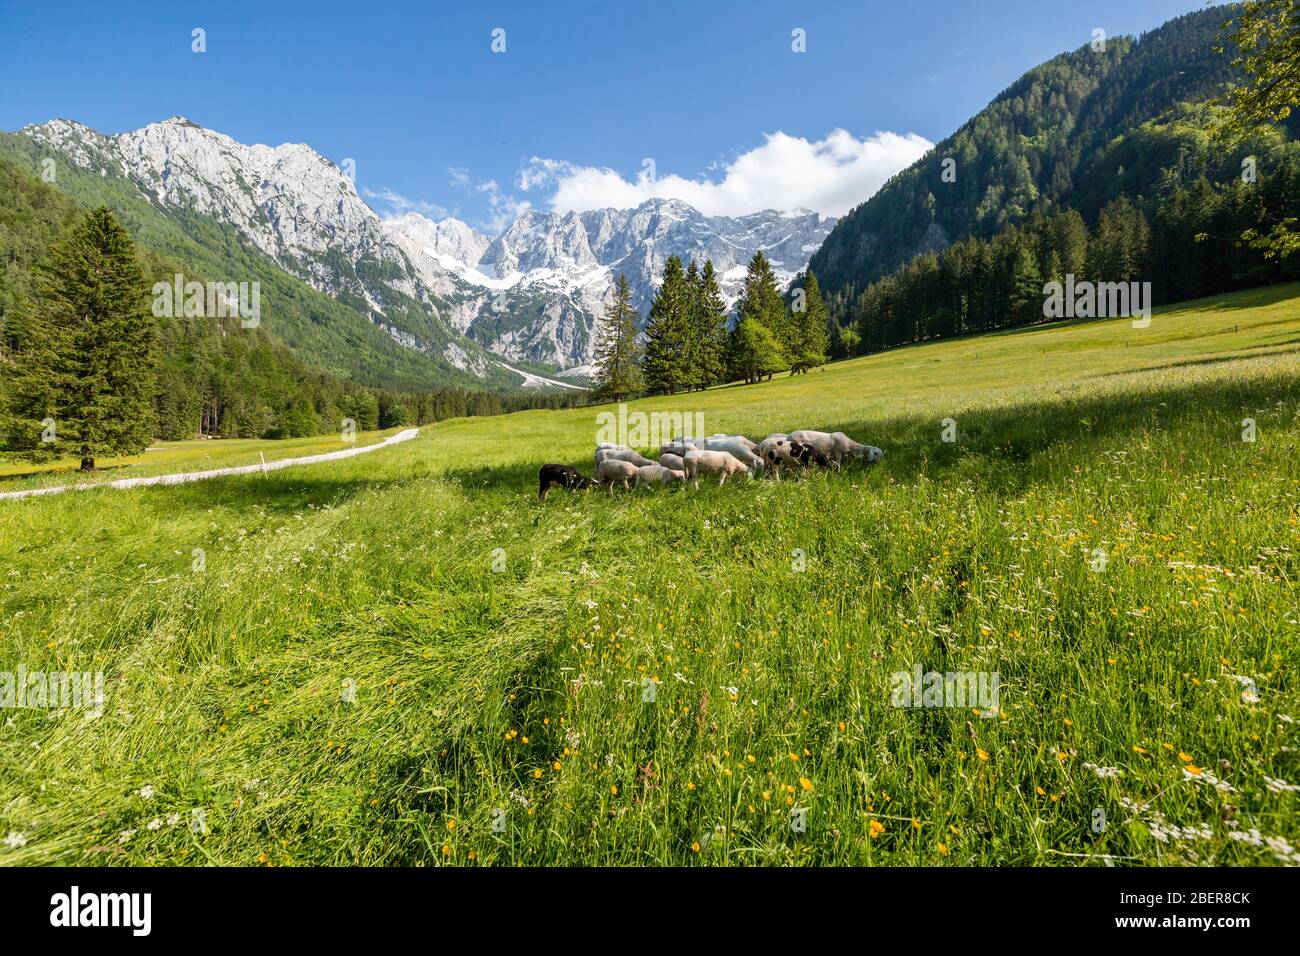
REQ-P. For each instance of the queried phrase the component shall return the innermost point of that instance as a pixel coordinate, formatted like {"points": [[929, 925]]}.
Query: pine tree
{"points": [[810, 328], [83, 381], [667, 332], [760, 302], [617, 353], [692, 345], [711, 334], [1026, 288]]}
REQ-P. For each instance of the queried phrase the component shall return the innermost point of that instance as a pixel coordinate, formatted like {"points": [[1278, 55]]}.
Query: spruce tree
{"points": [[618, 374], [711, 333], [692, 346], [760, 302], [667, 332], [83, 382], [810, 326]]}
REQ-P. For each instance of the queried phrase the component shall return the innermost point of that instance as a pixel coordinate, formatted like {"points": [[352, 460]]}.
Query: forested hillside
{"points": [[215, 377], [1049, 141], [331, 335]]}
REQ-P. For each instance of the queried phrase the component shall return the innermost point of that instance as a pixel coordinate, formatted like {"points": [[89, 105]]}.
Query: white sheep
{"points": [[669, 460], [747, 442], [622, 454], [736, 445], [719, 463], [612, 469], [658, 475]]}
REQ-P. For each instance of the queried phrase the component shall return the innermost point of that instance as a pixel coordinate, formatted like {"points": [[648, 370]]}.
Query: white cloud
{"points": [[830, 176], [399, 205], [503, 209]]}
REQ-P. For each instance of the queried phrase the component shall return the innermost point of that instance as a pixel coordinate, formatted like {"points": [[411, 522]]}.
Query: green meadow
{"points": [[405, 659]]}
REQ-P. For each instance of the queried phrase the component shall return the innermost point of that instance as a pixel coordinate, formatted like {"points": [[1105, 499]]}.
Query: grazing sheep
{"points": [[622, 454], [837, 446], [748, 443], [669, 460], [806, 454], [558, 476], [719, 463], [736, 445], [676, 447], [775, 450], [612, 469], [658, 475]]}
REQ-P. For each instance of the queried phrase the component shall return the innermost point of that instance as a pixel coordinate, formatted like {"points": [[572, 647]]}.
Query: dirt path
{"points": [[182, 477]]}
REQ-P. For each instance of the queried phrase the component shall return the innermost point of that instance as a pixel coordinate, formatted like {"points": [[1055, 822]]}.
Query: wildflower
{"points": [[805, 783], [145, 792], [876, 828], [1276, 785], [943, 849], [15, 841], [982, 753]]}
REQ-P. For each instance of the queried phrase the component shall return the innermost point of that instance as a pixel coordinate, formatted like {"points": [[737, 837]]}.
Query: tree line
{"points": [[691, 340], [87, 370], [1196, 242]]}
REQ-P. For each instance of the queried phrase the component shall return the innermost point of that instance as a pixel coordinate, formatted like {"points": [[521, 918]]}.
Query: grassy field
{"points": [[1099, 535]]}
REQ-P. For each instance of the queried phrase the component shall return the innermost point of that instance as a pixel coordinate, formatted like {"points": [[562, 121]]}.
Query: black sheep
{"points": [[550, 476]]}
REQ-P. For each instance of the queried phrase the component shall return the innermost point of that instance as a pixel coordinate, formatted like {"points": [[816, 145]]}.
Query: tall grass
{"points": [[505, 716]]}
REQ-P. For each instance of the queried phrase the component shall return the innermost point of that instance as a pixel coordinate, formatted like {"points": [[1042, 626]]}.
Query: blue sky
{"points": [[414, 94]]}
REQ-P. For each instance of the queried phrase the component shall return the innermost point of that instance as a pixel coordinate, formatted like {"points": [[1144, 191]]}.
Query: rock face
{"points": [[570, 262], [534, 293]]}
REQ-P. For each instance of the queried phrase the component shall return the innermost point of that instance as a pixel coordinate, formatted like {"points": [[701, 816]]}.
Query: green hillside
{"points": [[1099, 534], [1048, 141], [333, 336]]}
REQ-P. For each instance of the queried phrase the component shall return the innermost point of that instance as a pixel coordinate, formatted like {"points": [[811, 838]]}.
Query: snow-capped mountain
{"points": [[572, 260], [295, 206], [533, 294]]}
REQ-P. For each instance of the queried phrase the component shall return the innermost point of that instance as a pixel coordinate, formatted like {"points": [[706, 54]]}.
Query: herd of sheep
{"points": [[684, 459]]}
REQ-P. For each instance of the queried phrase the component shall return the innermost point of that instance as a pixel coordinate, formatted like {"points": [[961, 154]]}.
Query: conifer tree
{"points": [[83, 382], [760, 303], [692, 346], [810, 325], [667, 332], [618, 373], [711, 331]]}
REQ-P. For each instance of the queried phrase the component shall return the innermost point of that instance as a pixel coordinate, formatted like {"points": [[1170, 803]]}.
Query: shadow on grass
{"points": [[1002, 442]]}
